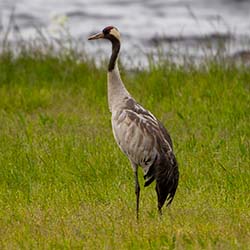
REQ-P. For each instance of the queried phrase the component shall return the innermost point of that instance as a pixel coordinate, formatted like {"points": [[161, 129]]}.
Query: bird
{"points": [[138, 133]]}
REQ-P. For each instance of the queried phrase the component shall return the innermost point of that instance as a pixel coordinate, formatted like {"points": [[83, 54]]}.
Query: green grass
{"points": [[64, 184]]}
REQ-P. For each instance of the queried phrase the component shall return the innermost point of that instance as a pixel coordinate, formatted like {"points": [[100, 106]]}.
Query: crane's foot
{"points": [[160, 212]]}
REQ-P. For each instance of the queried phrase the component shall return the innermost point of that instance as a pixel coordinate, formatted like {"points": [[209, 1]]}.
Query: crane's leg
{"points": [[159, 202], [137, 188], [137, 192]]}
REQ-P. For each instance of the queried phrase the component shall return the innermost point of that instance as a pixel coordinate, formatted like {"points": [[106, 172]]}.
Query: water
{"points": [[144, 24]]}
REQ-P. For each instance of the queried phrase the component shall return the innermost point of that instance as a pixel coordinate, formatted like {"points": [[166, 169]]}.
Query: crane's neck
{"points": [[115, 52], [116, 89]]}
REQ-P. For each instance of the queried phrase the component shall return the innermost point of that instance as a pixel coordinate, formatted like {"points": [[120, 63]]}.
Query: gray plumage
{"points": [[140, 136]]}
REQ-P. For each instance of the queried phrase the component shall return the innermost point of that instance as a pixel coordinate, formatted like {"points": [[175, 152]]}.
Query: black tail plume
{"points": [[167, 177]]}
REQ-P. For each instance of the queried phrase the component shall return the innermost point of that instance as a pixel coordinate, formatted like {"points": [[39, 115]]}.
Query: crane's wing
{"points": [[140, 136], [133, 105]]}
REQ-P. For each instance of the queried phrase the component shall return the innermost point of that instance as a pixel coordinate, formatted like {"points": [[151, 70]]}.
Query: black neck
{"points": [[115, 51]]}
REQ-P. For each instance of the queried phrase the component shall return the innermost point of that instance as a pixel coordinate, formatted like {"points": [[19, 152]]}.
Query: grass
{"points": [[64, 184]]}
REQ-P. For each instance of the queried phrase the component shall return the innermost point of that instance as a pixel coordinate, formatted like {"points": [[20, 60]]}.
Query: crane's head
{"points": [[110, 32]]}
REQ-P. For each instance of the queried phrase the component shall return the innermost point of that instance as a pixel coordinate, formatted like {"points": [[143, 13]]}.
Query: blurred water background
{"points": [[178, 27]]}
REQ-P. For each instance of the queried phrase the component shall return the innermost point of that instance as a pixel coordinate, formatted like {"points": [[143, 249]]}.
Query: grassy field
{"points": [[64, 184]]}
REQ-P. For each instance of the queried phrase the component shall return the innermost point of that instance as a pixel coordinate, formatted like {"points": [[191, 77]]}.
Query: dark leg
{"points": [[159, 202], [159, 211], [137, 188], [137, 192]]}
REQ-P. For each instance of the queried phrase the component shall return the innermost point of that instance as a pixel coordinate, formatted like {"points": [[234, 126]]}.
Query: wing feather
{"points": [[140, 135]]}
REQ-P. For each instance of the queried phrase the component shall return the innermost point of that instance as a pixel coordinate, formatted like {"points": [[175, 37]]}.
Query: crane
{"points": [[138, 133]]}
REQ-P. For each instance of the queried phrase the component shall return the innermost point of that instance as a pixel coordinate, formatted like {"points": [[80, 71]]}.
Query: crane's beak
{"points": [[96, 36]]}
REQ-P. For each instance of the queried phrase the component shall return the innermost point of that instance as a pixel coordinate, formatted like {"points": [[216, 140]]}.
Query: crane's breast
{"points": [[136, 136]]}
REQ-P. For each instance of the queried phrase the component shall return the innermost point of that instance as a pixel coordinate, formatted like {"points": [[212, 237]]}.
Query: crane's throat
{"points": [[115, 52]]}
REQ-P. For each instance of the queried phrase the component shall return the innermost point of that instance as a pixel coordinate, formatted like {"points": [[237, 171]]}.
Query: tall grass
{"points": [[64, 184]]}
